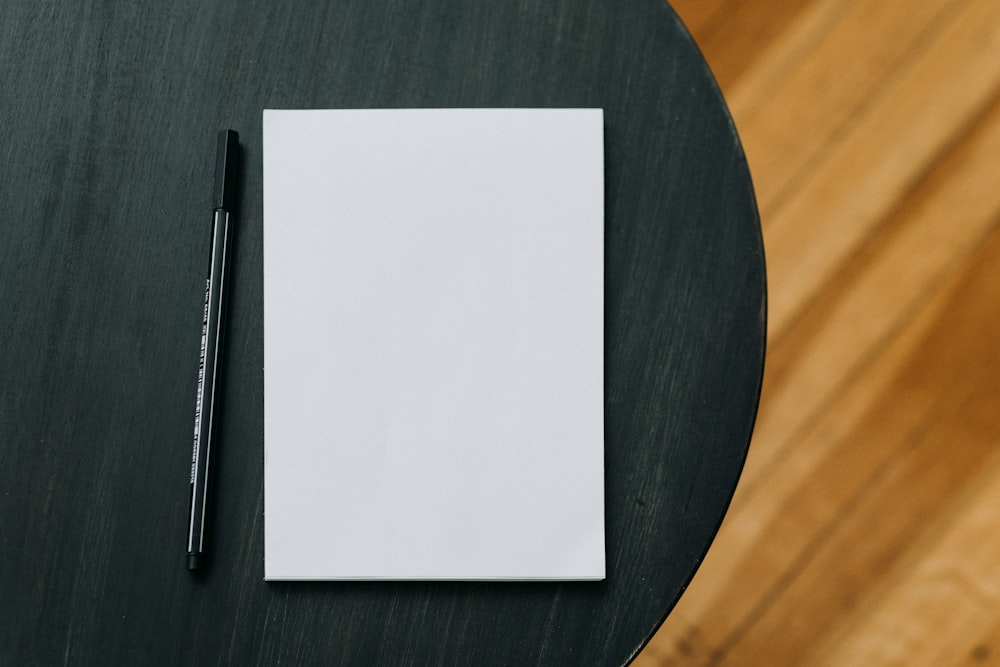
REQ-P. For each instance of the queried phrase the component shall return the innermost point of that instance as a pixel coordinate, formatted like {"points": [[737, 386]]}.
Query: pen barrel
{"points": [[211, 351]]}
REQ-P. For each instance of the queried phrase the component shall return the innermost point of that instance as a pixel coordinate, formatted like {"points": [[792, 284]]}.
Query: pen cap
{"points": [[225, 170]]}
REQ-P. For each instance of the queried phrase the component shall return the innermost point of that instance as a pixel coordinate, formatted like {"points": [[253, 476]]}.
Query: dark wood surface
{"points": [[106, 148]]}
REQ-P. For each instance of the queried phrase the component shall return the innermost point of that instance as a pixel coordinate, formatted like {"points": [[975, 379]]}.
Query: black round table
{"points": [[106, 129]]}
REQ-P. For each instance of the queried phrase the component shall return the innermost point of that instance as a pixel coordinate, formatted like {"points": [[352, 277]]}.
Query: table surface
{"points": [[106, 133]]}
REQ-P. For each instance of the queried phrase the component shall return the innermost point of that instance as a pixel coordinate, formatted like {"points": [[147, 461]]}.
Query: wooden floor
{"points": [[866, 527]]}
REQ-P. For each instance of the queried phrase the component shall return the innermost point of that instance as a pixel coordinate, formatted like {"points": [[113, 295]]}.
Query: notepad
{"points": [[433, 344]]}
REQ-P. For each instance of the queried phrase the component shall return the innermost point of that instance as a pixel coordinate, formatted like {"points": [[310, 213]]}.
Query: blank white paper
{"points": [[433, 344]]}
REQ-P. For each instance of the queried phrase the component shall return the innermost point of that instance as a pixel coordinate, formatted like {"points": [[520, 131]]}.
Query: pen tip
{"points": [[194, 561]]}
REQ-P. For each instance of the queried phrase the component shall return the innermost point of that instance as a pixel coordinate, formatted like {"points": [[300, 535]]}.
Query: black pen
{"points": [[211, 340]]}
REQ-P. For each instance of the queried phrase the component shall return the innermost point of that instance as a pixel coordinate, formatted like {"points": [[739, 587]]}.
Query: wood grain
{"points": [[863, 530]]}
